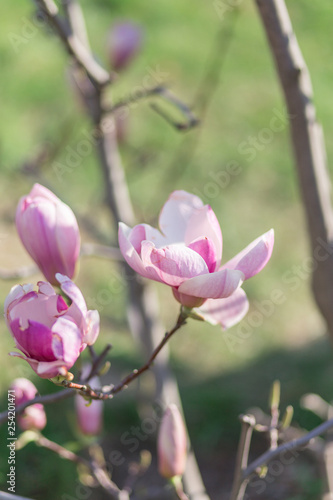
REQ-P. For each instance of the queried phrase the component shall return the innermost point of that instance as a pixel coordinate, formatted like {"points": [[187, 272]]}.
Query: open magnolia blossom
{"points": [[49, 232], [186, 254], [49, 333]]}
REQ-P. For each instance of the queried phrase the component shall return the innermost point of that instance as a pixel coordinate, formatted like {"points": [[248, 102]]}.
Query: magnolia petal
{"points": [[36, 339], [131, 256], [42, 192], [176, 213], [204, 223], [213, 286], [44, 369], [78, 308], [173, 264], [67, 237], [143, 232], [45, 288], [254, 257], [206, 248], [68, 338], [92, 331], [226, 312], [15, 294]]}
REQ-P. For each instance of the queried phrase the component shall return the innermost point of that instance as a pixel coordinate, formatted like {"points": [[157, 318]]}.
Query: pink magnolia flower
{"points": [[89, 416], [186, 254], [49, 232], [171, 444], [33, 417], [49, 333], [124, 42]]}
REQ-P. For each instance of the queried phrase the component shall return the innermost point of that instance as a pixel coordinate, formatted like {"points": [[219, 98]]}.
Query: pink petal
{"points": [[15, 294], [214, 285], [45, 288], [176, 213], [42, 192], [143, 232], [206, 248], [226, 312], [45, 369], [173, 264], [69, 337], [78, 308], [35, 307], [203, 223], [37, 340], [254, 257], [92, 331], [130, 254], [67, 237], [33, 225]]}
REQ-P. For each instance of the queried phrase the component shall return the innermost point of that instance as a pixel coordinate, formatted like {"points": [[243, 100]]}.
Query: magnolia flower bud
{"points": [[49, 333], [49, 232], [124, 42], [171, 444], [89, 416], [33, 417]]}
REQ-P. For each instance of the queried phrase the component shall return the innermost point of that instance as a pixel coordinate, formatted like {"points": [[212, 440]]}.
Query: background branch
{"points": [[308, 146]]}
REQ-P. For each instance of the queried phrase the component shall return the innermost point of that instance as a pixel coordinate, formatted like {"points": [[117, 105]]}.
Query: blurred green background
{"points": [[222, 68]]}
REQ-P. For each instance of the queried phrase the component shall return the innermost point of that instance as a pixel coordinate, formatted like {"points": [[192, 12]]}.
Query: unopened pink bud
{"points": [[124, 42], [171, 445], [49, 232], [33, 417], [89, 416]]}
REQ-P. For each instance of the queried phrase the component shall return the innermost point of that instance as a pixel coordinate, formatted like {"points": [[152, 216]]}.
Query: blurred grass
{"points": [[37, 102]]}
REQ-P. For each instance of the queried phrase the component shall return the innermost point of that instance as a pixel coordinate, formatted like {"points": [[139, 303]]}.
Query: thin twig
{"points": [[239, 483], [97, 361], [295, 444], [49, 398], [99, 474], [95, 394]]}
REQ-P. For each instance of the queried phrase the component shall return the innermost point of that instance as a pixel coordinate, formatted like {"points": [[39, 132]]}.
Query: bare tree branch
{"points": [[239, 483], [308, 146], [49, 398], [98, 75]]}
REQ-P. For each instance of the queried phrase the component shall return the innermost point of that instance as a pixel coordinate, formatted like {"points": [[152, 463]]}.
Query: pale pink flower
{"points": [[49, 333], [33, 417], [171, 444], [49, 232], [186, 254]]}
